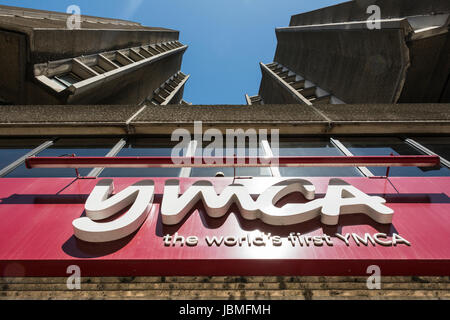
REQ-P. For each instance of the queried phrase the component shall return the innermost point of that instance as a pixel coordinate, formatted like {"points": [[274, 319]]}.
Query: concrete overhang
{"points": [[414, 27], [50, 39], [402, 60], [428, 26], [399, 23], [376, 119], [97, 81], [90, 79], [356, 10]]}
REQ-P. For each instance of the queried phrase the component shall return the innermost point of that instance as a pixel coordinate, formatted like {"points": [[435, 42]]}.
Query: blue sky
{"points": [[226, 38]]}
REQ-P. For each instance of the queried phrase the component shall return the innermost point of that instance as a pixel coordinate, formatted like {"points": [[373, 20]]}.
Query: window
{"points": [[117, 62], [81, 147], [384, 146], [68, 79], [13, 149], [98, 69], [229, 171], [145, 147], [313, 147], [439, 145]]}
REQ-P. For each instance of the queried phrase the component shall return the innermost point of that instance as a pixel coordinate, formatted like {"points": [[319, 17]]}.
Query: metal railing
{"points": [[198, 162]]}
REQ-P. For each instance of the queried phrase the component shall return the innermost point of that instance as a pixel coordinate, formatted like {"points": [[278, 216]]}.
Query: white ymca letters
{"points": [[341, 198]]}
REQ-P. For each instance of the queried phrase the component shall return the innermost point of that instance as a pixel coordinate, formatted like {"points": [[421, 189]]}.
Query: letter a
{"points": [[342, 198], [99, 207]]}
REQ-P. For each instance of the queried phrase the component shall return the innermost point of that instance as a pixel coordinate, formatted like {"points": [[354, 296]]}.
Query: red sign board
{"points": [[37, 236]]}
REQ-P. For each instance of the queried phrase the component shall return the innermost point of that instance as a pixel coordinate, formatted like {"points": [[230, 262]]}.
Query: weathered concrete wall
{"points": [[356, 11], [48, 45], [36, 36], [12, 67], [39, 94], [357, 66], [446, 93], [50, 39], [429, 71], [226, 288], [272, 92], [49, 19]]}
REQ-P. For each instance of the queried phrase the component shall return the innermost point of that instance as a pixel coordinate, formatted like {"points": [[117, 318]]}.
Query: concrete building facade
{"points": [[362, 51], [105, 61]]}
